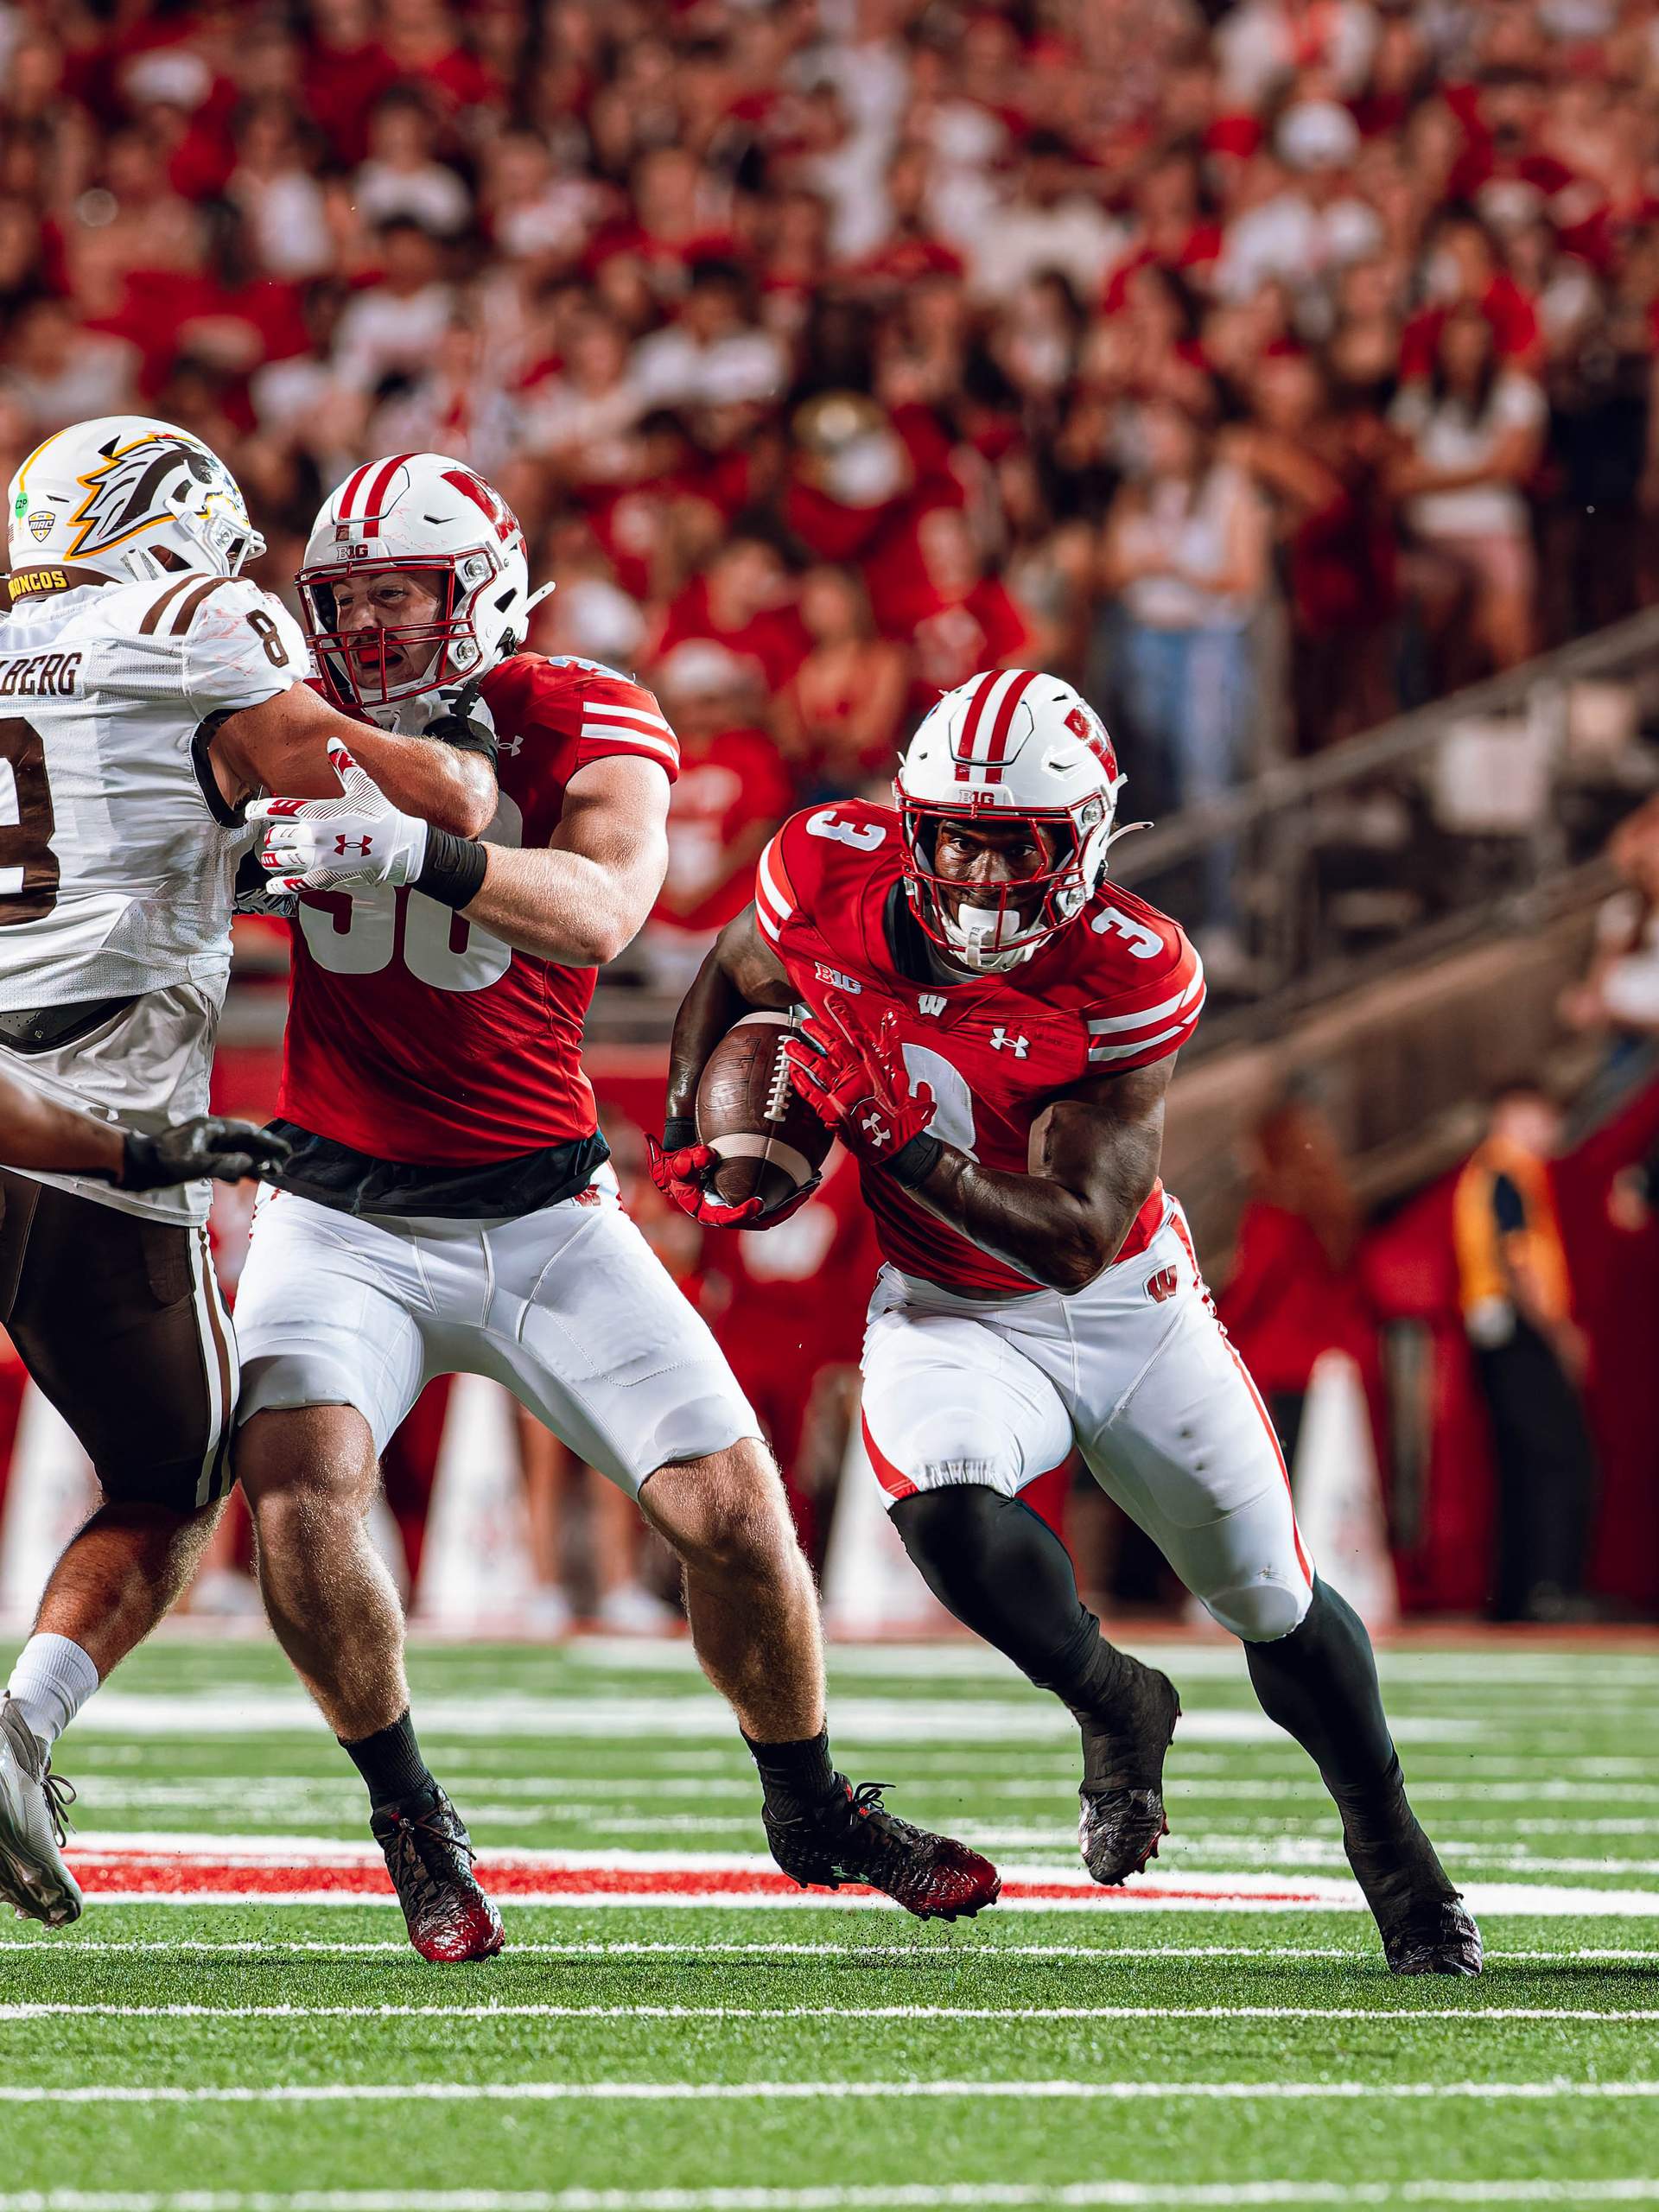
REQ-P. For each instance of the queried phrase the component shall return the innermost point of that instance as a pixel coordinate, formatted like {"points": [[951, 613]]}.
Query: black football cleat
{"points": [[430, 1857], [851, 1837], [1425, 1926], [1124, 1821], [1440, 1938]]}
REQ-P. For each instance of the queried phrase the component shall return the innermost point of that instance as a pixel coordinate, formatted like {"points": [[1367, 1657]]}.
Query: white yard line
{"points": [[937, 1951], [1025, 2015], [1558, 2090], [905, 2197]]}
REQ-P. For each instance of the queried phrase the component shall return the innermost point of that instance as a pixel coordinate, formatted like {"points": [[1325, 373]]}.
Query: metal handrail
{"points": [[1392, 745]]}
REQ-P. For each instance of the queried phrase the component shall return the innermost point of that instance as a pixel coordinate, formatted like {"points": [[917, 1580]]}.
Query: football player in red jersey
{"points": [[993, 1025], [447, 1203]]}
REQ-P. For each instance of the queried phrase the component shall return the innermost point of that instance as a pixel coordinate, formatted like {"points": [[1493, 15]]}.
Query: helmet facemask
{"points": [[445, 650], [989, 928]]}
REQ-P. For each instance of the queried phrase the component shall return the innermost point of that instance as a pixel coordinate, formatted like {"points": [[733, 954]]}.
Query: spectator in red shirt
{"points": [[1294, 1291], [742, 602], [732, 793], [956, 616], [840, 716]]}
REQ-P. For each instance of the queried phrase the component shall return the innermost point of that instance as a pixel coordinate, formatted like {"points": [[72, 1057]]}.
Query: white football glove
{"points": [[350, 843]]}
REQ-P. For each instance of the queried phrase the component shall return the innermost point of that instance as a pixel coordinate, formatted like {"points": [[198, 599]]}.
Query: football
{"points": [[768, 1140]]}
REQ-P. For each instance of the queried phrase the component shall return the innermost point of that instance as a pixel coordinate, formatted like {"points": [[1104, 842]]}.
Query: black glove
{"points": [[456, 725], [208, 1146]]}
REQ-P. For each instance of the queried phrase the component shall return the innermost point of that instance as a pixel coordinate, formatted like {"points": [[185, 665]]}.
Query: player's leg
{"points": [[957, 1422], [120, 1321], [587, 1328], [335, 1359], [1174, 1431]]}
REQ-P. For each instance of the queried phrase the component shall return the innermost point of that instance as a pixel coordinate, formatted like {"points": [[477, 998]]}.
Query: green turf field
{"points": [[688, 2057]]}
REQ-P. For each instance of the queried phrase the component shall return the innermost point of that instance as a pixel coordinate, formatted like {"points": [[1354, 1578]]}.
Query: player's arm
{"points": [[445, 778], [578, 901], [1094, 1159], [581, 898], [740, 974], [37, 1133]]}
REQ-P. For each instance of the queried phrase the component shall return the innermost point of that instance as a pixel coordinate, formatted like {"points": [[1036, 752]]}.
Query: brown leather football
{"points": [[768, 1139]]}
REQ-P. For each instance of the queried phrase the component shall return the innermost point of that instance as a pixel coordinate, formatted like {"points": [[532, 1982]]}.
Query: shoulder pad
{"points": [[1145, 982], [820, 850]]}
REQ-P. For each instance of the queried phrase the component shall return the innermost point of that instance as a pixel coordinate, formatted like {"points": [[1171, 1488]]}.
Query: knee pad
{"points": [[1260, 1612]]}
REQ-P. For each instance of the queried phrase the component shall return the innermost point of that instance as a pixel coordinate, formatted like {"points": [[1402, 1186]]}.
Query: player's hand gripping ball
{"points": [[758, 1150], [350, 843], [857, 1083]]}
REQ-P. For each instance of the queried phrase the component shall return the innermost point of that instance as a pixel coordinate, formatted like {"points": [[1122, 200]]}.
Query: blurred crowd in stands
{"points": [[1266, 367]]}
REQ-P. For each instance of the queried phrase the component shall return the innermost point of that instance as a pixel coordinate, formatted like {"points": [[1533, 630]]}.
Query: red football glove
{"points": [[678, 1175], [858, 1086]]}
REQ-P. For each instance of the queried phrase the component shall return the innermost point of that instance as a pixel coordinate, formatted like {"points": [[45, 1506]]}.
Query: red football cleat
{"points": [[852, 1837], [430, 1857]]}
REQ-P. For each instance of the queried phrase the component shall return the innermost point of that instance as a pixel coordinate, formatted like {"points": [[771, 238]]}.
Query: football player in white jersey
{"points": [[147, 692]]}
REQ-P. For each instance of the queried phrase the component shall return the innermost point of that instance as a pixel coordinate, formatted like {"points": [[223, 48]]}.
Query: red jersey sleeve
{"points": [[618, 716], [816, 862], [590, 711], [1151, 992]]}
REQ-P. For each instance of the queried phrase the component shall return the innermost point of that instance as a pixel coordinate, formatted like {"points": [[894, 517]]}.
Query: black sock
{"points": [[793, 1776], [390, 1762], [1319, 1683], [1001, 1570]]}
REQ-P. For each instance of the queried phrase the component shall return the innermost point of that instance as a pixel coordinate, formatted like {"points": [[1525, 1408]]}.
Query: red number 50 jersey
{"points": [[1117, 989], [415, 1035]]}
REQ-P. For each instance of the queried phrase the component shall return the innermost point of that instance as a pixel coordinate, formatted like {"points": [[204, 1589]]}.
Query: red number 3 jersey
{"points": [[1119, 988]]}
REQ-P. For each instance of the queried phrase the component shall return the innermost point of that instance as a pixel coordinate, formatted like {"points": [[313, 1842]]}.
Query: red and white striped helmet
{"points": [[1010, 745], [414, 512]]}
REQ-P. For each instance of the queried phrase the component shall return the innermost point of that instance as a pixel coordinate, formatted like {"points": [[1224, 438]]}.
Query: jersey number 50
{"points": [[439, 948]]}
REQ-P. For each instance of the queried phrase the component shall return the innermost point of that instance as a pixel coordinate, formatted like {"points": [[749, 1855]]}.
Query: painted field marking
{"points": [[937, 1951], [1025, 2015], [182, 1868], [1058, 2091], [904, 2197]]}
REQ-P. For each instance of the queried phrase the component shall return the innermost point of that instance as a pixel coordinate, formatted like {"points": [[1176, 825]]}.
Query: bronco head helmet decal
{"points": [[127, 490]]}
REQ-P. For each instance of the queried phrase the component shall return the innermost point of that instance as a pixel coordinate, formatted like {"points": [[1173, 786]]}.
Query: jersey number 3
{"points": [[29, 867]]}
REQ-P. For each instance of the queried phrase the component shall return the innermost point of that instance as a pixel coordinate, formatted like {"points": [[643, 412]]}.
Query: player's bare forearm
{"points": [[1094, 1160], [582, 898], [741, 973], [282, 746], [35, 1132]]}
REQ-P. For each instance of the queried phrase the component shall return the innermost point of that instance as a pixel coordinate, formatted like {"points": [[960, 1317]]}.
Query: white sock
{"points": [[52, 1680]]}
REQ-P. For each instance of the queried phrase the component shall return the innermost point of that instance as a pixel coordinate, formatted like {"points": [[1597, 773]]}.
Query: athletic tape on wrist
{"points": [[453, 871], [914, 1162]]}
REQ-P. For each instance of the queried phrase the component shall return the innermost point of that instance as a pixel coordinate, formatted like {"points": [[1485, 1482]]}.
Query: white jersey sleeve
{"points": [[201, 646], [241, 648]]}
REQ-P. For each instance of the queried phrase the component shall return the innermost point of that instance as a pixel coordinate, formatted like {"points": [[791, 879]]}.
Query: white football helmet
{"points": [[418, 510], [1010, 745], [112, 495]]}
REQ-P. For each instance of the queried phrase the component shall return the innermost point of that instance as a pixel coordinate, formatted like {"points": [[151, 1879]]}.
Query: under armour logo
{"points": [[931, 1002], [343, 844], [876, 1130], [1000, 1041], [512, 746], [1163, 1285]]}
